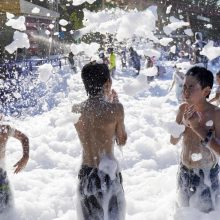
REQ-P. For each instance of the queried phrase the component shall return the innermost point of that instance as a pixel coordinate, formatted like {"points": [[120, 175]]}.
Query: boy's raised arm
{"points": [[121, 135], [25, 145]]}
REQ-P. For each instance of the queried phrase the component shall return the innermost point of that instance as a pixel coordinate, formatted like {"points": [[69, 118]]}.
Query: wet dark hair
{"points": [[94, 75], [110, 50], [202, 75]]}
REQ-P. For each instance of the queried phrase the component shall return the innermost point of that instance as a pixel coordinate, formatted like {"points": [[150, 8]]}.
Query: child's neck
{"points": [[98, 96], [202, 106]]}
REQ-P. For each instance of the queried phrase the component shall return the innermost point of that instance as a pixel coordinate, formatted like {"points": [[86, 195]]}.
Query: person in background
{"points": [[181, 57], [197, 47], [103, 57], [148, 64], [123, 58], [135, 60], [72, 61], [178, 79], [112, 62], [217, 92]]}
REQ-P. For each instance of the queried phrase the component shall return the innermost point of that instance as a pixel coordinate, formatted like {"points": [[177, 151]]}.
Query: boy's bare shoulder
{"points": [[119, 109], [117, 105], [77, 108], [182, 107]]}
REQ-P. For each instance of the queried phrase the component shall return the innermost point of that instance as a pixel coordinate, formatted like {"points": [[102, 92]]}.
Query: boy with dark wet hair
{"points": [[6, 131], [94, 76], [198, 183], [100, 191]]}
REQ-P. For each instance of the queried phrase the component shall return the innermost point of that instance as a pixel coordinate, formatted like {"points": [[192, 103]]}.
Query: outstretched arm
{"points": [[25, 145]]}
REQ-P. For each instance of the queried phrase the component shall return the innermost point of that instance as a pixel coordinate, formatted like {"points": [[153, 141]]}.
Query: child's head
{"points": [[131, 49], [94, 76], [199, 75], [110, 50], [101, 54]]}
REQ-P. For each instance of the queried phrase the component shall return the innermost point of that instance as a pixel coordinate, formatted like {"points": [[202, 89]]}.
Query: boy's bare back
{"points": [[101, 124]]}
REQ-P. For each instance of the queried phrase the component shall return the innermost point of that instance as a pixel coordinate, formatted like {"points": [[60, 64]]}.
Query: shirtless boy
{"points": [[100, 191], [198, 183], [6, 132]]}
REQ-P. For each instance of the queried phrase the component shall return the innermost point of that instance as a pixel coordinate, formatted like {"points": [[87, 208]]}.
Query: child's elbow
{"points": [[121, 141], [173, 140], [25, 140]]}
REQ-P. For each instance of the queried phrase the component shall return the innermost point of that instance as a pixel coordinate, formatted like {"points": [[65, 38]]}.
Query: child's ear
{"points": [[206, 91], [107, 85]]}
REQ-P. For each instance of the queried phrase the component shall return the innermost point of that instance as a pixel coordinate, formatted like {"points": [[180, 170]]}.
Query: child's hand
{"points": [[191, 118], [113, 96], [21, 164]]}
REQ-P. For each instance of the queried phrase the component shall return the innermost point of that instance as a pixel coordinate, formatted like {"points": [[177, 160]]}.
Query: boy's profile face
{"points": [[192, 90]]}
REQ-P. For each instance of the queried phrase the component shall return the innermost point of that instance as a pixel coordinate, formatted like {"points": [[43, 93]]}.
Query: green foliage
{"points": [[6, 37], [98, 5], [93, 37], [75, 13], [76, 19]]}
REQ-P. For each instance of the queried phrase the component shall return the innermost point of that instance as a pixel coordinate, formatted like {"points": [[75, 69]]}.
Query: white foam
{"points": [[45, 71], [209, 123], [196, 157], [108, 166]]}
